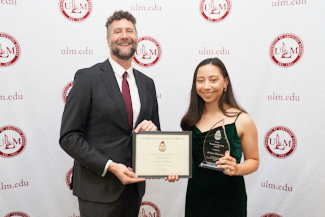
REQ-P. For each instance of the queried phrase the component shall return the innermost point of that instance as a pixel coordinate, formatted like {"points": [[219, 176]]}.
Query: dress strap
{"points": [[237, 116]]}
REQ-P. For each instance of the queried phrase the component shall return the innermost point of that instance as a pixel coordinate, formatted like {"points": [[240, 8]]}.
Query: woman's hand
{"points": [[172, 178], [227, 163]]}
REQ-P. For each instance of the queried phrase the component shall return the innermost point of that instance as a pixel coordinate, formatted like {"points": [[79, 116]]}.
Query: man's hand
{"points": [[145, 126], [124, 174]]}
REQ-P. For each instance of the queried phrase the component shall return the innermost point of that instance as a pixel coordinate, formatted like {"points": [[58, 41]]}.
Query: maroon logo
{"points": [[9, 2], [12, 141], [215, 11], [148, 52], [149, 209], [68, 177], [9, 50], [271, 215], [76, 10], [66, 91], [286, 50], [20, 214], [280, 142]]}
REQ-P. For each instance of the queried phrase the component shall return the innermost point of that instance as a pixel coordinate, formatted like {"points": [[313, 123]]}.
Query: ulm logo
{"points": [[12, 141], [17, 214], [215, 11], [280, 142], [271, 215], [149, 209], [9, 50], [66, 91], [68, 177], [286, 50], [148, 52], [76, 10]]}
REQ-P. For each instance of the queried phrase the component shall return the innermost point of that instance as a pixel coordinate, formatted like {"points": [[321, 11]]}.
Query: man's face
{"points": [[123, 39]]}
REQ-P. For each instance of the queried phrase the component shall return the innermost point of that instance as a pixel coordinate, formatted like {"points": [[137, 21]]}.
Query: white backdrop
{"points": [[41, 49]]}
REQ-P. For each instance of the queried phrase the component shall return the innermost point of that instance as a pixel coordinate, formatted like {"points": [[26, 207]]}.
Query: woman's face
{"points": [[210, 83]]}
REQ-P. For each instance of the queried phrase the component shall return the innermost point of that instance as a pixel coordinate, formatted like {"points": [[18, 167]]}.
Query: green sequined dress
{"points": [[211, 193]]}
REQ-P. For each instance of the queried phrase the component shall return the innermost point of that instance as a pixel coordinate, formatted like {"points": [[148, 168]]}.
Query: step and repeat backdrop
{"points": [[274, 53]]}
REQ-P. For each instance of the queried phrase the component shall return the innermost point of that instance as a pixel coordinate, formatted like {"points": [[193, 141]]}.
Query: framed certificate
{"points": [[158, 154]]}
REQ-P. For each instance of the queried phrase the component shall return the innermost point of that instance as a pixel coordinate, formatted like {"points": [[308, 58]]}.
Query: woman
{"points": [[213, 193]]}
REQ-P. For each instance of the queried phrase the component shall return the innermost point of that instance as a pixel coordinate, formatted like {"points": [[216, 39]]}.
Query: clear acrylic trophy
{"points": [[215, 146]]}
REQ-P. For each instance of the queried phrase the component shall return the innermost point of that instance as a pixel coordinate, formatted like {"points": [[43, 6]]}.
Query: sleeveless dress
{"points": [[211, 193]]}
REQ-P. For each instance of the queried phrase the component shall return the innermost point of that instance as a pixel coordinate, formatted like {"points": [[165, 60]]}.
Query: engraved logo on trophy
{"points": [[162, 146], [217, 135], [215, 146]]}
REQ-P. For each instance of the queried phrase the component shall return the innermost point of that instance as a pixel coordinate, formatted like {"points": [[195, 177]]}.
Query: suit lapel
{"points": [[113, 89], [141, 84]]}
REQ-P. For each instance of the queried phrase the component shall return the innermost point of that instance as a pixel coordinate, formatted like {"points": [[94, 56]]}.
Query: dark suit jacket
{"points": [[95, 129]]}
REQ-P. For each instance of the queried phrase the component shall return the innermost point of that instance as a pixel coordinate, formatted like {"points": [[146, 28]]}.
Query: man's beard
{"points": [[117, 52]]}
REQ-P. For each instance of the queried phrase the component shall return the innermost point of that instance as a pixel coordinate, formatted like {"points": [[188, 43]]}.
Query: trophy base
{"points": [[210, 166]]}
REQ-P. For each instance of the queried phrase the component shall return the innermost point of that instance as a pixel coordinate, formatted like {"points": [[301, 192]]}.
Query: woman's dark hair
{"points": [[195, 110]]}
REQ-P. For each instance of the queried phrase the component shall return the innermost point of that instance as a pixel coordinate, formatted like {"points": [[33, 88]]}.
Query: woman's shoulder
{"points": [[233, 111], [244, 118], [245, 123]]}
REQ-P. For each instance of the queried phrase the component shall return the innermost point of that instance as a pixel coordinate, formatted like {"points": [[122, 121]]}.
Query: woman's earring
{"points": [[224, 90]]}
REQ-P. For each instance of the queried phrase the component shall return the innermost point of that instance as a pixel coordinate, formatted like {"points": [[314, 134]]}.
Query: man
{"points": [[108, 101]]}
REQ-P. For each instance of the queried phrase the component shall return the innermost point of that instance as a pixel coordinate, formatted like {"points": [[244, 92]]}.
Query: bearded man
{"points": [[106, 103]]}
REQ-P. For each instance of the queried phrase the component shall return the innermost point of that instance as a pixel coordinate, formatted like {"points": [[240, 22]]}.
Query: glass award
{"points": [[215, 146]]}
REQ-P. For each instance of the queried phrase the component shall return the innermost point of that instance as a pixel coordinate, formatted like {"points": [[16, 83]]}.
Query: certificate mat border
{"points": [[189, 133]]}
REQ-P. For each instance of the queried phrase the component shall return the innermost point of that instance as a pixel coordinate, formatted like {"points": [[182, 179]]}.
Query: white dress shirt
{"points": [[136, 105]]}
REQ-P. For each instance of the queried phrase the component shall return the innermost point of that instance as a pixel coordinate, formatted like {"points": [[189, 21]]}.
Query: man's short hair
{"points": [[118, 15]]}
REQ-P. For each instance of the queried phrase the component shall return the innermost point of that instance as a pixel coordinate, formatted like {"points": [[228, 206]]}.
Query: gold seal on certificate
{"points": [[159, 154], [215, 146]]}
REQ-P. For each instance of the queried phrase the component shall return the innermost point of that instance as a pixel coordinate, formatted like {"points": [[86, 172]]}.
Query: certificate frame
{"points": [[157, 154]]}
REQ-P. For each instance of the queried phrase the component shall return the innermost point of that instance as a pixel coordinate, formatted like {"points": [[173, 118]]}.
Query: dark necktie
{"points": [[127, 100]]}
